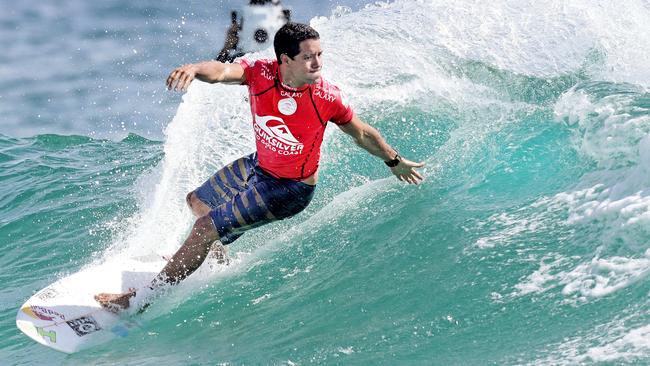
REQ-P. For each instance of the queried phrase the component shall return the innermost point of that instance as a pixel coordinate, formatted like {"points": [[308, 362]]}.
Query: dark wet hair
{"points": [[287, 39]]}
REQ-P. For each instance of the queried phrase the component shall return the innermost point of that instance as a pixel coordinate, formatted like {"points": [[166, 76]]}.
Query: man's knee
{"points": [[203, 226], [198, 207]]}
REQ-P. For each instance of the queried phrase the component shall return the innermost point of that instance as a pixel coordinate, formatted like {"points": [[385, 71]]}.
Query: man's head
{"points": [[297, 47], [287, 39]]}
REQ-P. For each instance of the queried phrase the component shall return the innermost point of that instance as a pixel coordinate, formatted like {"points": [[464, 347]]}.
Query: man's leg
{"points": [[199, 209], [246, 209], [192, 253], [218, 189], [187, 259]]}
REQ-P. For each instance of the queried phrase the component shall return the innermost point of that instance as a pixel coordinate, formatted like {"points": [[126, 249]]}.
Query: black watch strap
{"points": [[393, 163]]}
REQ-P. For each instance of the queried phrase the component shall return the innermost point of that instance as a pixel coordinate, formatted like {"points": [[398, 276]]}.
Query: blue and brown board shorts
{"points": [[241, 196]]}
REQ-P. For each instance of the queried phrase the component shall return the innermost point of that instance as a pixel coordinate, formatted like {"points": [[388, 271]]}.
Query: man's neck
{"points": [[288, 80]]}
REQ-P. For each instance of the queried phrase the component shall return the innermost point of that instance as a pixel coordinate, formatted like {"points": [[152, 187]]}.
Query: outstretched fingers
{"points": [[180, 78], [418, 175], [406, 172], [185, 81], [172, 79], [411, 179]]}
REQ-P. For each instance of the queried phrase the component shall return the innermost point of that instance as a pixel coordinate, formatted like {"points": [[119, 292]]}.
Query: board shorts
{"points": [[241, 196]]}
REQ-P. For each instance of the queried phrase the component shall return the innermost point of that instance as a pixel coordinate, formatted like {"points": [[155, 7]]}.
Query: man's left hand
{"points": [[405, 171]]}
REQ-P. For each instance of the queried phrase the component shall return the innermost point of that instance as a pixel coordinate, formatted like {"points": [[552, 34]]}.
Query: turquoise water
{"points": [[527, 244]]}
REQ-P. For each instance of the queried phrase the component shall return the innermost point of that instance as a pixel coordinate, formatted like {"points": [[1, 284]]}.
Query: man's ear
{"points": [[284, 58]]}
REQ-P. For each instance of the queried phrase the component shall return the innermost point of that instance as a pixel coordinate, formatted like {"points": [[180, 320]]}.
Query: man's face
{"points": [[306, 65]]}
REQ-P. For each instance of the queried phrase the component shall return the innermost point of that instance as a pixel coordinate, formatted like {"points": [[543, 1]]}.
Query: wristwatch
{"points": [[393, 163]]}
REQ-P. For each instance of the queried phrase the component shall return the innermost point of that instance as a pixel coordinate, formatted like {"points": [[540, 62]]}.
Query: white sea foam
{"points": [[537, 38], [543, 279], [633, 344], [587, 280], [603, 276], [612, 343], [611, 127], [507, 226], [613, 130]]}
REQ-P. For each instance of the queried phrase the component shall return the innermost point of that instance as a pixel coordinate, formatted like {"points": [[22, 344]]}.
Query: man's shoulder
{"points": [[260, 68], [328, 85], [328, 90], [259, 63]]}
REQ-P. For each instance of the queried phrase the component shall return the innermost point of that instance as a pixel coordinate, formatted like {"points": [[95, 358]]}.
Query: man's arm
{"points": [[208, 71], [370, 139]]}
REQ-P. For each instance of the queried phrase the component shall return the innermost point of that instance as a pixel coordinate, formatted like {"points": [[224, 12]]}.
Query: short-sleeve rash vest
{"points": [[289, 123]]}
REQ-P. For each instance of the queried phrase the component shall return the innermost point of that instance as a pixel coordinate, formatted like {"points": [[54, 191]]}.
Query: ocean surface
{"points": [[527, 244]]}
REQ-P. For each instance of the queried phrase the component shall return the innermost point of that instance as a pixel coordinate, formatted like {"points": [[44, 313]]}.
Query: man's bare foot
{"points": [[115, 302]]}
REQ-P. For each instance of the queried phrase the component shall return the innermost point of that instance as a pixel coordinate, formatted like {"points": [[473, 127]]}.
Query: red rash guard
{"points": [[289, 123]]}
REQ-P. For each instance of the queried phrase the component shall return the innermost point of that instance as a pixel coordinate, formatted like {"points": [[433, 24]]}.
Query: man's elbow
{"points": [[212, 72]]}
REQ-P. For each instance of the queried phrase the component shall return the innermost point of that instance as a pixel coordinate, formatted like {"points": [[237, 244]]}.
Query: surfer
{"points": [[291, 105]]}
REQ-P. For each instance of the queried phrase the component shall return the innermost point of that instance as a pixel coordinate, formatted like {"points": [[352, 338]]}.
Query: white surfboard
{"points": [[65, 316]]}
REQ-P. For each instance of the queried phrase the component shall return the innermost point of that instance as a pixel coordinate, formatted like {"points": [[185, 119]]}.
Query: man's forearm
{"points": [[372, 141], [218, 72]]}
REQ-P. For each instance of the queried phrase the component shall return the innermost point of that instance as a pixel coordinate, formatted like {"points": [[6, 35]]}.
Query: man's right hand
{"points": [[181, 77]]}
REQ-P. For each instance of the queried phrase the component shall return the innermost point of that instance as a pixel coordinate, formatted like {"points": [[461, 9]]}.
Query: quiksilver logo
{"points": [[274, 134]]}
